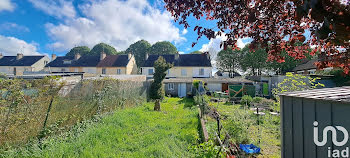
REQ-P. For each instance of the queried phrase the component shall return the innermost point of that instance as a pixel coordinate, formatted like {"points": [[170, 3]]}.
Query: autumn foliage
{"points": [[276, 25]]}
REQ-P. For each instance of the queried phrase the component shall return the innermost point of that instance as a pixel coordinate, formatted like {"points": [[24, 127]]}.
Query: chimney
{"points": [[208, 55], [103, 55], [53, 57], [177, 55], [129, 56], [1, 55], [146, 56], [77, 56], [19, 56]]}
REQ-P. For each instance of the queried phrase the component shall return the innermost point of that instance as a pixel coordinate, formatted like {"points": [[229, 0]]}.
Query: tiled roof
{"points": [[114, 61], [24, 61], [183, 60], [91, 61]]}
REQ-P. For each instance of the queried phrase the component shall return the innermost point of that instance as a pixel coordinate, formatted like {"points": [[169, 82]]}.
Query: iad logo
{"points": [[333, 153]]}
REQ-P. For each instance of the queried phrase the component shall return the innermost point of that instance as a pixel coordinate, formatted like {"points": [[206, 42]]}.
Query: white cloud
{"points": [[57, 8], [184, 32], [6, 5], [116, 22], [181, 52], [12, 46]]}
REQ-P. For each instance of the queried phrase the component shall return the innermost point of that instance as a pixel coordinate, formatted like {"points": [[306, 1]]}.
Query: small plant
{"points": [[246, 100]]}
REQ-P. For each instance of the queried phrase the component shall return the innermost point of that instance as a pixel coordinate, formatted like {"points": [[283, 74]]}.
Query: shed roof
{"points": [[340, 94]]}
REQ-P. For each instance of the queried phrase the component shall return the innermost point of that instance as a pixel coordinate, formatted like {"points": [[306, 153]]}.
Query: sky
{"points": [[35, 27]]}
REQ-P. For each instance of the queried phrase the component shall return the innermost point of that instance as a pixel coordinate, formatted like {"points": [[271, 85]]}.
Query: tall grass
{"points": [[23, 115], [131, 132]]}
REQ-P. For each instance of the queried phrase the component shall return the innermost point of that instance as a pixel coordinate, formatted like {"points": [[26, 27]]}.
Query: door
{"points": [[182, 90]]}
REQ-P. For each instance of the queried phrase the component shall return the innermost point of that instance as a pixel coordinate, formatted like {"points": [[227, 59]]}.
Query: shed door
{"points": [[182, 90], [224, 87]]}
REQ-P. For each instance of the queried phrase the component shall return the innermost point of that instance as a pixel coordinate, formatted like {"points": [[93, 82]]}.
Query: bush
{"points": [[258, 99], [246, 100]]}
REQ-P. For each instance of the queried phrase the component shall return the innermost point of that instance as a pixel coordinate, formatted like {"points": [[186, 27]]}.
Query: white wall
{"points": [[90, 70], [207, 71], [4, 69], [214, 87], [145, 71]]}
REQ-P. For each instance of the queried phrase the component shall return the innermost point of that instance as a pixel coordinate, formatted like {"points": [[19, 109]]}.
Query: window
{"points": [[103, 71], [168, 71], [63, 70], [201, 72], [313, 71], [183, 72], [119, 71], [76, 70], [45, 62], [300, 72], [67, 61], [170, 86], [150, 71], [26, 69]]}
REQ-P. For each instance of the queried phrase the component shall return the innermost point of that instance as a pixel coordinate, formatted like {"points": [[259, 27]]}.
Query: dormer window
{"points": [[67, 62]]}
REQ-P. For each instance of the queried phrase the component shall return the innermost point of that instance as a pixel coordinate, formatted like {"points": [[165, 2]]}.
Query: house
{"points": [[17, 65], [306, 67], [182, 87], [103, 64], [220, 74], [184, 65]]}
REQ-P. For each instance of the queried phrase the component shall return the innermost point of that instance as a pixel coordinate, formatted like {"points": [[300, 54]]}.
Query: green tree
{"points": [[164, 47], [82, 50], [196, 52], [157, 90], [253, 61], [228, 61], [139, 49], [97, 49]]}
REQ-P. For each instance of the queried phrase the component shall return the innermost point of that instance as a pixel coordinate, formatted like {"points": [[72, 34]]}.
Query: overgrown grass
{"points": [[131, 132]]}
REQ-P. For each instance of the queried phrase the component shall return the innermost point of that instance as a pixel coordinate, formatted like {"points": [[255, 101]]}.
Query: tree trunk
{"points": [[157, 105]]}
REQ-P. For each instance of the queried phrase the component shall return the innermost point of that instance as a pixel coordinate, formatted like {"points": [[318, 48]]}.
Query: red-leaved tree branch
{"points": [[275, 25]]}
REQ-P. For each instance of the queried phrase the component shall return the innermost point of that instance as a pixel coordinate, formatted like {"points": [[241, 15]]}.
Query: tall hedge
{"points": [[157, 90]]}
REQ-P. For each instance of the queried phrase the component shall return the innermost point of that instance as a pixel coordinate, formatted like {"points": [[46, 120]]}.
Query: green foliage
{"points": [[139, 49], [253, 61], [82, 50], [157, 89], [205, 150], [340, 78], [246, 100], [195, 83], [164, 47], [131, 132], [296, 82], [103, 47], [227, 60], [258, 99], [196, 52]]}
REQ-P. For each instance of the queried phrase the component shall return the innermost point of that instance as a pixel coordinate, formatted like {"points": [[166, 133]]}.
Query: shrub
{"points": [[157, 90], [258, 99], [246, 100]]}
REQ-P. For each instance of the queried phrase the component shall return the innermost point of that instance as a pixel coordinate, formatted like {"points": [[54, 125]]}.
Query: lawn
{"points": [[131, 132]]}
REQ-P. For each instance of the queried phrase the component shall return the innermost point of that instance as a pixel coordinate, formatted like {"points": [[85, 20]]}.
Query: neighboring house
{"points": [[307, 67], [103, 64], [184, 65], [182, 87], [17, 65], [219, 74]]}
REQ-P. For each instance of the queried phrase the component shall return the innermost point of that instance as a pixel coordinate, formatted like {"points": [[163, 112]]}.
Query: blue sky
{"points": [[46, 26]]}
